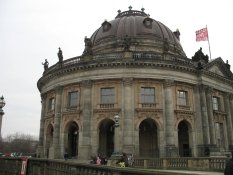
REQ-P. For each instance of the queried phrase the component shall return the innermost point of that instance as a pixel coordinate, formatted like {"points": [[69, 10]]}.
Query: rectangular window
{"points": [[216, 103], [182, 98], [73, 99], [51, 104], [147, 95], [107, 95]]}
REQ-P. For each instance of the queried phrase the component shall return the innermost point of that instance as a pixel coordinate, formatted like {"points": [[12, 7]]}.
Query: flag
{"points": [[202, 35]]}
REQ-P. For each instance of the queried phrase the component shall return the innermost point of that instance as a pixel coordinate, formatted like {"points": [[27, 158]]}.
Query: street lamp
{"points": [[2, 104], [116, 154], [116, 119]]}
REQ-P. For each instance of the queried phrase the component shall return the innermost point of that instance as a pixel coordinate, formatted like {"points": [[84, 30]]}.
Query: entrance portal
{"points": [[49, 139], [72, 134], [106, 137], [148, 139], [183, 136]]}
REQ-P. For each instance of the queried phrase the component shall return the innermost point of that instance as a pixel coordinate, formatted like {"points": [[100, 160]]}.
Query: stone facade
{"points": [[169, 105]]}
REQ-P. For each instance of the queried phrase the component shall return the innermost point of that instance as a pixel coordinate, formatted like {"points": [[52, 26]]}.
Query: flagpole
{"points": [[208, 42]]}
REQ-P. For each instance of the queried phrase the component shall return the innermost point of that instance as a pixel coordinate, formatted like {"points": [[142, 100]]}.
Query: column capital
{"points": [[87, 83], [204, 87], [58, 89], [231, 97], [127, 81], [209, 90], [168, 83], [227, 95]]}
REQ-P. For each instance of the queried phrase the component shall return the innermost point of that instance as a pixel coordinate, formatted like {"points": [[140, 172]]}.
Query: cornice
{"points": [[171, 63]]}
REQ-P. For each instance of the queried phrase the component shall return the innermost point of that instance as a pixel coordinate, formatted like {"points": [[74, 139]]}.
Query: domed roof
{"points": [[136, 31]]}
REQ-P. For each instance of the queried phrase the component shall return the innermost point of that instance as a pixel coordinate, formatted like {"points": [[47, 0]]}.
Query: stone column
{"points": [[169, 119], [57, 123], [198, 130], [204, 115], [209, 100], [84, 151], [40, 149], [204, 148], [128, 120], [228, 119]]}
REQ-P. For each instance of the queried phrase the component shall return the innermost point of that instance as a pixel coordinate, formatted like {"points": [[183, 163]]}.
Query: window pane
{"points": [[51, 104], [182, 98], [73, 99], [107, 95], [147, 95], [215, 103]]}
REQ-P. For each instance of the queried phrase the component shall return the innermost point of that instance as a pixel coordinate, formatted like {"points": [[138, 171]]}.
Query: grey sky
{"points": [[32, 30]]}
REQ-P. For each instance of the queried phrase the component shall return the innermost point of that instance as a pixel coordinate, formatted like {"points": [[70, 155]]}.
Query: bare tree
{"points": [[19, 143]]}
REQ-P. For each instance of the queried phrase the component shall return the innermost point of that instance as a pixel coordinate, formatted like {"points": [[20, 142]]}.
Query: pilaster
{"points": [[209, 102], [57, 123], [228, 119], [128, 120], [198, 121], [85, 139], [204, 114], [171, 149]]}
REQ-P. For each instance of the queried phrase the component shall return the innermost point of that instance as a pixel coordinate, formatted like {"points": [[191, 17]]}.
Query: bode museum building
{"points": [[134, 90]]}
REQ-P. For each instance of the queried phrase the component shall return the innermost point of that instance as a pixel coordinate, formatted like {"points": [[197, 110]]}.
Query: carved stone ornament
{"points": [[88, 46], [66, 118], [168, 83], [86, 83], [106, 26], [127, 81], [126, 43], [199, 56], [147, 22], [105, 115]]}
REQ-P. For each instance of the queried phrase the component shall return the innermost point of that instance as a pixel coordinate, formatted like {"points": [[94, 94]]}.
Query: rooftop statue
{"points": [[199, 55], [46, 64], [88, 46], [60, 56]]}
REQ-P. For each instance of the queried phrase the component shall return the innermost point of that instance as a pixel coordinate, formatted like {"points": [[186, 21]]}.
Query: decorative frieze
{"points": [[70, 117]]}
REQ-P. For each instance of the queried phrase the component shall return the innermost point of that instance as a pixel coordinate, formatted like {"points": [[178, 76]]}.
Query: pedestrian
{"points": [[98, 160], [123, 161], [229, 166]]}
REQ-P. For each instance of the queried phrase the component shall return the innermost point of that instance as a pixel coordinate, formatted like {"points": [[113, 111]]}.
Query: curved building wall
{"points": [[165, 110]]}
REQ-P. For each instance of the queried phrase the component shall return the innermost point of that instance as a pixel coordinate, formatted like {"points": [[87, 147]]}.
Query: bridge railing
{"points": [[35, 166], [189, 163]]}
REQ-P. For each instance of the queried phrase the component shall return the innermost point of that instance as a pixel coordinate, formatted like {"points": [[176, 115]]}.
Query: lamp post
{"points": [[116, 154], [2, 104]]}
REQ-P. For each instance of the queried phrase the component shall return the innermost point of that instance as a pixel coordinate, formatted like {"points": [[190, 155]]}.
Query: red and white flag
{"points": [[202, 35]]}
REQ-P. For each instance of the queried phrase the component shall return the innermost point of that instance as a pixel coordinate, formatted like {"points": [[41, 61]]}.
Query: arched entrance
{"points": [[106, 137], [49, 139], [71, 139], [183, 137], [148, 139]]}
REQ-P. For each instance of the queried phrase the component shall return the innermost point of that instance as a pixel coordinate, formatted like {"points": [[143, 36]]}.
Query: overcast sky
{"points": [[32, 30]]}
